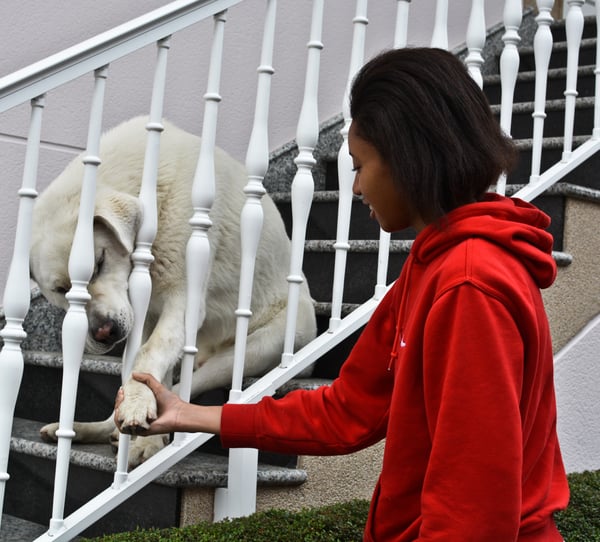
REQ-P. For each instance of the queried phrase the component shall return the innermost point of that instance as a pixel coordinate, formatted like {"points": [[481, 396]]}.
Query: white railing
{"points": [[95, 56]]}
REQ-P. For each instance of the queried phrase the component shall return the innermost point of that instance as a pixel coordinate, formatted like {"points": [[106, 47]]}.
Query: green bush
{"points": [[345, 522], [580, 522], [336, 523]]}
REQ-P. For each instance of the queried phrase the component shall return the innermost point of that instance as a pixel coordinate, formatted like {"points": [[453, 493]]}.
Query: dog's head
{"points": [[116, 220]]}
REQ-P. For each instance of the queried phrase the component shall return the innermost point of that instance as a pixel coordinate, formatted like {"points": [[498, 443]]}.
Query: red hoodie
{"points": [[455, 371]]}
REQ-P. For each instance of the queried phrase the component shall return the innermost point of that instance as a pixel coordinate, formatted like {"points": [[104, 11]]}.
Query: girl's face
{"points": [[373, 181]]}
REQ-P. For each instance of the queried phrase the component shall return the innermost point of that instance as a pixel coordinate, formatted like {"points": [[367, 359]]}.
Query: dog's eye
{"points": [[99, 265], [60, 290]]}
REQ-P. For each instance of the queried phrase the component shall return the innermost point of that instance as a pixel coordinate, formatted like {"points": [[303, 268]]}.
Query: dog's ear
{"points": [[121, 214]]}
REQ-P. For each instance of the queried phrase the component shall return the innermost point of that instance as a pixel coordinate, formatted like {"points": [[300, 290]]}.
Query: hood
{"points": [[517, 226]]}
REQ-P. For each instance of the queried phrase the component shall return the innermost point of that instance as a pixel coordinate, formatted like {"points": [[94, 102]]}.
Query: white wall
{"points": [[31, 30], [577, 378]]}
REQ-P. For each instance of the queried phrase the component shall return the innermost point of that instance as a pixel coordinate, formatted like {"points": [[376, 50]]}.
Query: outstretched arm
{"points": [[174, 415]]}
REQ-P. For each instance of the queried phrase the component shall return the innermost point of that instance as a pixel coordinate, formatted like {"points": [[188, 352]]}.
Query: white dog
{"points": [[116, 221]]}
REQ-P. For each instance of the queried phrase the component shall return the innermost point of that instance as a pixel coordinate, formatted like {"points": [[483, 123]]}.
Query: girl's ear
{"points": [[121, 214]]}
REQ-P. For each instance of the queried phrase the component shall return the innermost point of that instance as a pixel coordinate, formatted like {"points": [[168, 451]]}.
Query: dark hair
{"points": [[422, 111]]}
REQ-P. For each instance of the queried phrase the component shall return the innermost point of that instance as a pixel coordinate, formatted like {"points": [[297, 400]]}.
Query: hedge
{"points": [[580, 522]]}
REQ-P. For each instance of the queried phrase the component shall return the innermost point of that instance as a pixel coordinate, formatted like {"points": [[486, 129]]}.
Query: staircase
{"points": [[31, 466]]}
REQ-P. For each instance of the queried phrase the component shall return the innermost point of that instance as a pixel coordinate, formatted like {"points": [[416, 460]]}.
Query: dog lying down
{"points": [[116, 220]]}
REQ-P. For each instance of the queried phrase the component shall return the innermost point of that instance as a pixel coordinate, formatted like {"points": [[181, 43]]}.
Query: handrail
{"points": [[64, 66]]}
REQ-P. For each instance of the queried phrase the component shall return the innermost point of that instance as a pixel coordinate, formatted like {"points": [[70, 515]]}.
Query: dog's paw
{"points": [[138, 409], [142, 448], [48, 432]]}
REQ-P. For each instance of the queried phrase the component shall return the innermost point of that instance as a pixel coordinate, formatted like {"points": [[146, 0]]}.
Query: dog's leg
{"points": [[263, 350], [156, 356], [85, 432]]}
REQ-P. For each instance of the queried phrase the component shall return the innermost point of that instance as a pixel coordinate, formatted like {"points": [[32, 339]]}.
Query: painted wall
{"points": [[577, 383]]}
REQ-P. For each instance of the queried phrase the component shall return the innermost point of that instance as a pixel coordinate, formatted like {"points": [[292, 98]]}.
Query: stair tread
{"points": [[198, 468], [14, 529]]}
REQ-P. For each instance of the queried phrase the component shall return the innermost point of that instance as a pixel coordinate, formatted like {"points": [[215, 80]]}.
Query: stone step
{"points": [[31, 464], [15, 529]]}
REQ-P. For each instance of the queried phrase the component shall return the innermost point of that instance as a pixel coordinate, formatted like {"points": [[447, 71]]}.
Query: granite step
{"points": [[30, 488], [15, 529]]}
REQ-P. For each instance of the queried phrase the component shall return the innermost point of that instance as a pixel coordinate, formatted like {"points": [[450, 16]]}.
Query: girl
{"points": [[455, 368]]}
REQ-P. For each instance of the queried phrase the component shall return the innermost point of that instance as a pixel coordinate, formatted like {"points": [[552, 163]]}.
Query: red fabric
{"points": [[455, 370]]}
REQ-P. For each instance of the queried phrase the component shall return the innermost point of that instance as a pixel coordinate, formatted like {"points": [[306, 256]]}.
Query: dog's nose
{"points": [[108, 333]]}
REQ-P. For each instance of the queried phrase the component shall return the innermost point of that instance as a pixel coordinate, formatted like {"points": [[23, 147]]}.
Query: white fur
{"points": [[117, 218]]}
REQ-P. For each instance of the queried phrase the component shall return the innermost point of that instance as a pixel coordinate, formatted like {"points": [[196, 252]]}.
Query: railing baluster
{"points": [[203, 197], [257, 163], [75, 324], [401, 30], [439, 38], [345, 173], [140, 282], [303, 184], [243, 462], [400, 40], [542, 48], [574, 29], [509, 68], [17, 294], [476, 40]]}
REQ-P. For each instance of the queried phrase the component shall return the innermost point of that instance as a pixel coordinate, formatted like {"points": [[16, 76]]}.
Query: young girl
{"points": [[455, 368]]}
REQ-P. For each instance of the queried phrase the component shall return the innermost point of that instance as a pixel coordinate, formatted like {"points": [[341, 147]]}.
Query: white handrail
{"points": [[55, 70]]}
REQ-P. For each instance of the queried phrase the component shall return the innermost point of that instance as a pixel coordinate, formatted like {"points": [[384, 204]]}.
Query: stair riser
{"points": [[361, 273], [559, 31], [558, 59], [39, 395], [29, 496], [522, 123], [322, 221], [322, 226], [584, 175], [525, 89]]}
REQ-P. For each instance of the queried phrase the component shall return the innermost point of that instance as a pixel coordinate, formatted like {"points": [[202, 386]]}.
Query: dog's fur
{"points": [[116, 221]]}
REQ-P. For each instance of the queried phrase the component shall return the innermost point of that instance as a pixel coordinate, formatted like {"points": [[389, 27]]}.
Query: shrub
{"points": [[345, 522]]}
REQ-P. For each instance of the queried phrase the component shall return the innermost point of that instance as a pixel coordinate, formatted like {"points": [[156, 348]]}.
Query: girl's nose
{"points": [[355, 186]]}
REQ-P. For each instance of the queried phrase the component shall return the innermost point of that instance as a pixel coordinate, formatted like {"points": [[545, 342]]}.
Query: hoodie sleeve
{"points": [[349, 415], [473, 375]]}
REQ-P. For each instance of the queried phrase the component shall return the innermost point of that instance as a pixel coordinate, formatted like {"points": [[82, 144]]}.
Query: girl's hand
{"points": [[173, 414], [169, 407]]}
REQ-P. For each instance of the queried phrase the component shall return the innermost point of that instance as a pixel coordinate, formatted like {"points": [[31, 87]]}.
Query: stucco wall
{"points": [[577, 375]]}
